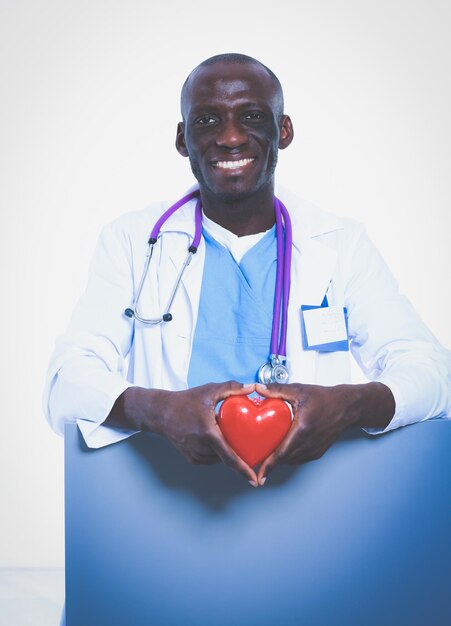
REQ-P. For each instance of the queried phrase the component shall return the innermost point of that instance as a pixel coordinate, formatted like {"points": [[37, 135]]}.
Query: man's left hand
{"points": [[321, 414]]}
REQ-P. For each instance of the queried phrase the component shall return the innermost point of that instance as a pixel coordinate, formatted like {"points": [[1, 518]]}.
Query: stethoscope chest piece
{"points": [[273, 372]]}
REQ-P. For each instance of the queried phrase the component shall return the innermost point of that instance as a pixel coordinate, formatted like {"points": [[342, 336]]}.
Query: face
{"points": [[232, 130]]}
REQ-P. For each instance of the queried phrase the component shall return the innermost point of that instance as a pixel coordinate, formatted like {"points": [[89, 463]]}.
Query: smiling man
{"points": [[115, 374], [233, 126]]}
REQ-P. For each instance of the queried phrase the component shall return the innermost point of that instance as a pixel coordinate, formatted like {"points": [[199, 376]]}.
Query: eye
{"points": [[254, 116], [206, 120]]}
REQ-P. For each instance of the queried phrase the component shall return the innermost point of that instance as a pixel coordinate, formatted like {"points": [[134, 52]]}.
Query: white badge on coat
{"points": [[324, 328]]}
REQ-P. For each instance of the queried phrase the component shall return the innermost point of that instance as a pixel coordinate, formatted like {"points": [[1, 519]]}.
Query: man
{"points": [[116, 376]]}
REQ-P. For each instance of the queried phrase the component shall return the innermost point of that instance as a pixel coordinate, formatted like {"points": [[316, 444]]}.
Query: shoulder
{"points": [[311, 222], [136, 223]]}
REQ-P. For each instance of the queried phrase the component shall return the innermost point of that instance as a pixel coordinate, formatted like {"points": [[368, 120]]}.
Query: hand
{"points": [[321, 414], [186, 418]]}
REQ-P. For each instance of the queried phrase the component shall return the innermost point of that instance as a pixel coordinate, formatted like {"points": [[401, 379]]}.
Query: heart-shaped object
{"points": [[254, 427]]}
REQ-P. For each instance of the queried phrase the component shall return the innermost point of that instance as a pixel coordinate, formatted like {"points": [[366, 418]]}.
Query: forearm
{"points": [[186, 418], [138, 408], [321, 414], [370, 405]]}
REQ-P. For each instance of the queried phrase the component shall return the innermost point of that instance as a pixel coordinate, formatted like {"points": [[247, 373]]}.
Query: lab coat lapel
{"points": [[315, 272], [178, 335], [313, 265], [312, 271], [190, 286], [191, 282]]}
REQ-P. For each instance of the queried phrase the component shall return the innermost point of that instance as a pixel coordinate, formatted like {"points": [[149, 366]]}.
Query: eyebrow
{"points": [[245, 103]]}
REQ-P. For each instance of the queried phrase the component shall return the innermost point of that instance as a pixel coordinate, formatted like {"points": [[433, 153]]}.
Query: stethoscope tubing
{"points": [[284, 238], [286, 278], [283, 279], [167, 317], [172, 209]]}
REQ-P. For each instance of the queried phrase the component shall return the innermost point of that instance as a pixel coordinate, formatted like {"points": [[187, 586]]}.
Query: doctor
{"points": [[114, 375]]}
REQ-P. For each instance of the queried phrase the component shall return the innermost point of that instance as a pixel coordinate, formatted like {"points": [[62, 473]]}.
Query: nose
{"points": [[231, 135]]}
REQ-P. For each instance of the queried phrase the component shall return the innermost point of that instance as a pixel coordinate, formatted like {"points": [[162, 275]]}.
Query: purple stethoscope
{"points": [[275, 369]]}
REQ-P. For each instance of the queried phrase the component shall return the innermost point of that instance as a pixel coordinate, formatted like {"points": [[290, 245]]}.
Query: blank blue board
{"points": [[360, 537]]}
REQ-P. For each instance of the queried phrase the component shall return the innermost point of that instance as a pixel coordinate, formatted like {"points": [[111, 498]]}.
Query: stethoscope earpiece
{"points": [[167, 317]]}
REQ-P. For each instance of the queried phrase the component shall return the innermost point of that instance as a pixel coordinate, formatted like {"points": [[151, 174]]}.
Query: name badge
{"points": [[324, 328]]}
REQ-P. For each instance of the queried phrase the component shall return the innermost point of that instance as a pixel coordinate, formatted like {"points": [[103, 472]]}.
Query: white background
{"points": [[88, 111]]}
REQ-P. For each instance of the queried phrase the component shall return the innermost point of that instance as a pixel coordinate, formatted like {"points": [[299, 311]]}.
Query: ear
{"points": [[180, 140], [286, 132]]}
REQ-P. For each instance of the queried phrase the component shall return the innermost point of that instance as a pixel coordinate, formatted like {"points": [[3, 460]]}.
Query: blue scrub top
{"points": [[233, 331]]}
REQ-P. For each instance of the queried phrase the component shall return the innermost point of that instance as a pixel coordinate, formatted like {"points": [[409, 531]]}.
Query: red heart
{"points": [[254, 427]]}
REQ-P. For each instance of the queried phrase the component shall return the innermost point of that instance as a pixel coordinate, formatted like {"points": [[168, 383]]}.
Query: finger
{"points": [[293, 395], [196, 450], [200, 459], [204, 455], [306, 453], [273, 390], [276, 390], [233, 388], [270, 463], [230, 458], [280, 454], [266, 468]]}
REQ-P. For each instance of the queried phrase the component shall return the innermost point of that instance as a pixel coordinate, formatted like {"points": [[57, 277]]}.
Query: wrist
{"points": [[138, 408], [374, 405]]}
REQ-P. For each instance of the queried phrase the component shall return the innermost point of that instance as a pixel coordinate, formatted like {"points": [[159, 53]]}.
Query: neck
{"points": [[241, 216]]}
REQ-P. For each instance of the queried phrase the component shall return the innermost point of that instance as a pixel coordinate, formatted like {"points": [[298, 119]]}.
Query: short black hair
{"points": [[239, 59]]}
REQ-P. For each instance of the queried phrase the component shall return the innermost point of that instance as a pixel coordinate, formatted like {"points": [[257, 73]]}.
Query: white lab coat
{"points": [[104, 352]]}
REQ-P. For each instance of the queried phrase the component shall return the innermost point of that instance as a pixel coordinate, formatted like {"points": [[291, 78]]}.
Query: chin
{"points": [[236, 189], [234, 193]]}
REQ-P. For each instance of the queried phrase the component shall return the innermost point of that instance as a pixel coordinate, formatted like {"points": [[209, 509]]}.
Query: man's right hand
{"points": [[186, 418]]}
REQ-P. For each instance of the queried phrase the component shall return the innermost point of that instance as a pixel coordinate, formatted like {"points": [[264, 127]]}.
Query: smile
{"points": [[233, 165]]}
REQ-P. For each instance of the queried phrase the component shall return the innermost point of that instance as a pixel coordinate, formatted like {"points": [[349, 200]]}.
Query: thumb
{"points": [[233, 388], [273, 390]]}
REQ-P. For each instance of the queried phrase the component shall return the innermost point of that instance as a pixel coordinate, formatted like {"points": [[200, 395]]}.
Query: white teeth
{"points": [[233, 165]]}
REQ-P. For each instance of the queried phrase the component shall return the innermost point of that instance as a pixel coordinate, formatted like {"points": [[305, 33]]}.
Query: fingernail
{"points": [[253, 483], [262, 386], [248, 386], [262, 482]]}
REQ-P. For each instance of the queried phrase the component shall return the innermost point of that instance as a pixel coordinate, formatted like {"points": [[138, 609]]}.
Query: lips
{"points": [[233, 164]]}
